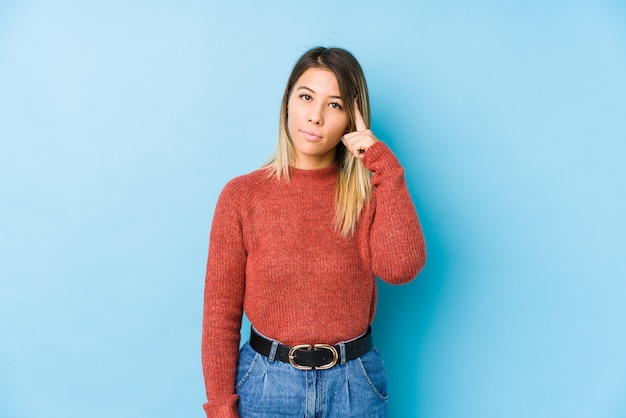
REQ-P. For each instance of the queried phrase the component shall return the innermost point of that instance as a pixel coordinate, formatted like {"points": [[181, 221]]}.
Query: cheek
{"points": [[340, 126], [293, 112], [292, 116]]}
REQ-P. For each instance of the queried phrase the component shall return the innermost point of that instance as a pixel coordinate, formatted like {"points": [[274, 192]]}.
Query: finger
{"points": [[358, 118], [365, 137], [350, 146], [357, 152], [358, 143]]}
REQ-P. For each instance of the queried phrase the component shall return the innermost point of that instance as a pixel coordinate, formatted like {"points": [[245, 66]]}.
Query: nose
{"points": [[316, 115]]}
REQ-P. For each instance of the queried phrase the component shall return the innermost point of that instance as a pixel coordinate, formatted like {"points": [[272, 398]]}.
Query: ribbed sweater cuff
{"points": [[380, 160], [225, 409]]}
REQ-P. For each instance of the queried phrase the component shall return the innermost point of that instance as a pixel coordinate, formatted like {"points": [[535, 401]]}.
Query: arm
{"points": [[223, 306], [397, 244]]}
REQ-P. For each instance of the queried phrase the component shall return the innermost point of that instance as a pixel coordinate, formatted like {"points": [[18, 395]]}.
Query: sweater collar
{"points": [[317, 176]]}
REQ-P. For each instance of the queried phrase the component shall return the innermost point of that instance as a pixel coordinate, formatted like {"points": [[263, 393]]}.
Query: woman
{"points": [[298, 244]]}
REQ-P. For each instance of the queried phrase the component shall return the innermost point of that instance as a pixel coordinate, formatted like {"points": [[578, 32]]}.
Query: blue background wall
{"points": [[121, 121]]}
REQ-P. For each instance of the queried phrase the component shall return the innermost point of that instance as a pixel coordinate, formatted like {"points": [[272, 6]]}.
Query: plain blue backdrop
{"points": [[120, 122]]}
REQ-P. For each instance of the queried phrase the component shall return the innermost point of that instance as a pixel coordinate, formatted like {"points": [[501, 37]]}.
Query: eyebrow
{"points": [[313, 91]]}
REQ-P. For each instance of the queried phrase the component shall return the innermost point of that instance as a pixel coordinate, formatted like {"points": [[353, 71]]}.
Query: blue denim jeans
{"points": [[270, 389]]}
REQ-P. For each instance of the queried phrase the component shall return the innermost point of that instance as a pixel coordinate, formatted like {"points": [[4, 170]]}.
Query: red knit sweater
{"points": [[274, 252]]}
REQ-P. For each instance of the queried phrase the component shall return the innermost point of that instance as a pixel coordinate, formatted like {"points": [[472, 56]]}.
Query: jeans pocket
{"points": [[248, 359], [373, 370], [269, 389]]}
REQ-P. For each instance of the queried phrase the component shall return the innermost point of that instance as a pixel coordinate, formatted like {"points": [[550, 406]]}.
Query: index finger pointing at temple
{"points": [[358, 118]]}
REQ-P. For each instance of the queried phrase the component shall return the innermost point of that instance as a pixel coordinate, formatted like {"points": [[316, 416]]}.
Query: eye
{"points": [[306, 97], [335, 105]]}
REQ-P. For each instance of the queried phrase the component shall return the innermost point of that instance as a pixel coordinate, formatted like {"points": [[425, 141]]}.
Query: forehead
{"points": [[319, 80]]}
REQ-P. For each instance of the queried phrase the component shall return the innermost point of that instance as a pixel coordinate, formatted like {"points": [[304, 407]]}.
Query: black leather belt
{"points": [[307, 356]]}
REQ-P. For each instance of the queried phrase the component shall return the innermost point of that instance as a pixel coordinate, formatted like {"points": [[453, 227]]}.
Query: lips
{"points": [[310, 135]]}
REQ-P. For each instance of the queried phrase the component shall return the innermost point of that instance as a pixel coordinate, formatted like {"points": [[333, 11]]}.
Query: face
{"points": [[316, 118]]}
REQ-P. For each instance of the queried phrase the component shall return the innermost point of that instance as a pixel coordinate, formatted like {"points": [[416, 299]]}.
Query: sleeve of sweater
{"points": [[223, 304], [397, 244]]}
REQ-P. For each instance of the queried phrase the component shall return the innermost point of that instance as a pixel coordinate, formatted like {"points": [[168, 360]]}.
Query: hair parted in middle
{"points": [[353, 179]]}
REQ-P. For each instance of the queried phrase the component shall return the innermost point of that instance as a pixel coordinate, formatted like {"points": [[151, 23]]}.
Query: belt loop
{"points": [[272, 354], [342, 354]]}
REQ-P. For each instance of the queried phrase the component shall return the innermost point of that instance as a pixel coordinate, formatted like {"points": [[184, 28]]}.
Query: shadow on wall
{"points": [[405, 314], [403, 322]]}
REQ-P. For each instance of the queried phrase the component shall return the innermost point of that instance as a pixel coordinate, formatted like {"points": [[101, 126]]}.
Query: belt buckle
{"points": [[332, 349]]}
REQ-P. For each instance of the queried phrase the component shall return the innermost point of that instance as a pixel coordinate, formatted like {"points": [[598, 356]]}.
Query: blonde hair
{"points": [[353, 180]]}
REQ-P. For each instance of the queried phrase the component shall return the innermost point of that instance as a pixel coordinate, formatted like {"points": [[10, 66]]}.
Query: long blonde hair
{"points": [[353, 180]]}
